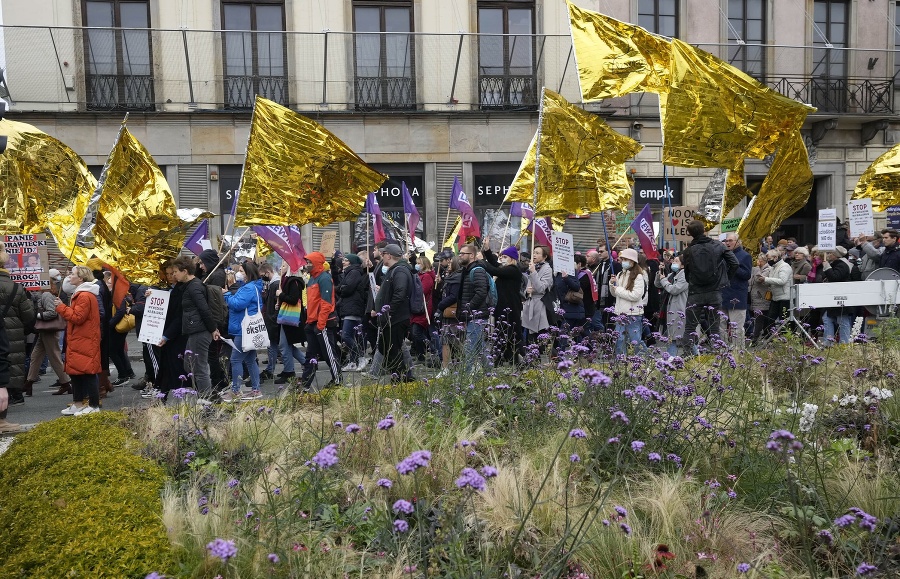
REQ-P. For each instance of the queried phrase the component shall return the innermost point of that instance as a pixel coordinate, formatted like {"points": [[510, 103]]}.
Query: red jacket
{"points": [[319, 292], [83, 331], [427, 279]]}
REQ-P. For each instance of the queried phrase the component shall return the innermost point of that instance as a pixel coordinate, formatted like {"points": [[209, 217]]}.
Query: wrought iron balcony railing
{"points": [[434, 72]]}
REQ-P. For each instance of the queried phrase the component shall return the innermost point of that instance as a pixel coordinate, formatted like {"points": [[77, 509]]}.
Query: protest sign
{"points": [[860, 218], [155, 307], [28, 260], [827, 229], [729, 225], [563, 252], [326, 246], [893, 217], [623, 221], [676, 221]]}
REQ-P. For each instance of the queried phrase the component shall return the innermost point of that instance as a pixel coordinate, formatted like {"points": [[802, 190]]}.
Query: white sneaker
{"points": [[149, 393], [204, 402], [253, 395], [349, 367], [363, 362], [443, 373], [73, 409], [87, 410]]}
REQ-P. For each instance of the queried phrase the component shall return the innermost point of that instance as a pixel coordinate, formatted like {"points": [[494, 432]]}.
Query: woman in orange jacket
{"points": [[82, 342]]}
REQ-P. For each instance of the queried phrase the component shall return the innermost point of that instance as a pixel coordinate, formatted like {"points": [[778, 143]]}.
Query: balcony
{"points": [[335, 71]]}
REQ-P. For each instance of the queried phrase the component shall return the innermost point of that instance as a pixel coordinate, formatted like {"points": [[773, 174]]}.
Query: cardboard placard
{"points": [[563, 252], [326, 246], [623, 221], [860, 218], [28, 260], [154, 320], [729, 225], [676, 221]]}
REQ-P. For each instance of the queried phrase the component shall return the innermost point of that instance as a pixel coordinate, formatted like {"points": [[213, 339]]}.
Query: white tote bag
{"points": [[254, 335]]}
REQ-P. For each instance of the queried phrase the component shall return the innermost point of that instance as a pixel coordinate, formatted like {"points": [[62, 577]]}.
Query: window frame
{"points": [[528, 94], [740, 59], [121, 78], [820, 45], [254, 51], [384, 99], [656, 16]]}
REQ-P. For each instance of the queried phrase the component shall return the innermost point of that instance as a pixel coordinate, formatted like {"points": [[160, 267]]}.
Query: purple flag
{"points": [[373, 208], [460, 202], [643, 226], [521, 210], [196, 242], [410, 209], [285, 241], [542, 228]]}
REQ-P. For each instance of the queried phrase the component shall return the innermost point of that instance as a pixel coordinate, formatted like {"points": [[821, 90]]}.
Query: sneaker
{"points": [[265, 375], [284, 377], [363, 362], [13, 401], [72, 409], [7, 427], [150, 392], [230, 397], [87, 410], [254, 395], [121, 381], [443, 373], [204, 402], [349, 367]]}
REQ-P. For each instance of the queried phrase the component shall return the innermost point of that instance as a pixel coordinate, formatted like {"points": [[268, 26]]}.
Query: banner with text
{"points": [[860, 218], [154, 321], [563, 252], [28, 260], [827, 229]]}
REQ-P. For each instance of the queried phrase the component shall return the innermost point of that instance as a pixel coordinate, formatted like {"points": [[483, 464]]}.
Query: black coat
{"points": [[354, 292], [509, 286], [292, 294], [472, 300], [394, 292], [270, 309], [562, 286], [449, 292], [891, 257], [172, 329], [196, 315], [21, 314]]}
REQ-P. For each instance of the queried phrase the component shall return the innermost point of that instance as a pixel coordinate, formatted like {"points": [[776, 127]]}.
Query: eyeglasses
{"points": [[466, 253]]}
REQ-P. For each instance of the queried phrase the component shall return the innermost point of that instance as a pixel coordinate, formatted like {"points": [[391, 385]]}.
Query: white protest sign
{"points": [[827, 235], [563, 252], [154, 320], [827, 214], [860, 218]]}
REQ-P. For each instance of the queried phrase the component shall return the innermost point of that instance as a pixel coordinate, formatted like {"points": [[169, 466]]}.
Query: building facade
{"points": [[428, 90]]}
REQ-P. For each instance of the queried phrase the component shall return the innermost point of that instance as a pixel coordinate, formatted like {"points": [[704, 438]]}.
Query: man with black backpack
{"points": [[477, 296], [708, 267], [392, 310]]}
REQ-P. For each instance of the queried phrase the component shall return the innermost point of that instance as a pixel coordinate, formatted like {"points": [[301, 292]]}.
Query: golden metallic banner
{"points": [[297, 172], [784, 192], [615, 58], [881, 181], [582, 163], [43, 183], [715, 115]]}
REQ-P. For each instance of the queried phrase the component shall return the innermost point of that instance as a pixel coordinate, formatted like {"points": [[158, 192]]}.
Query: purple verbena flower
{"points": [[352, 429], [469, 477], [273, 558], [385, 483], [401, 526], [386, 423], [419, 458], [223, 549], [743, 567], [577, 433], [865, 569], [327, 457], [403, 506], [488, 471], [637, 446]]}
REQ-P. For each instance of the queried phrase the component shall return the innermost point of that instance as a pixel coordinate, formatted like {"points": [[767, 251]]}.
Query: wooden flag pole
{"points": [[446, 224]]}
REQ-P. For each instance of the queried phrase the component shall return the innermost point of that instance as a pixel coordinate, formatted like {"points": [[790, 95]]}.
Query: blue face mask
{"points": [[418, 267], [626, 265], [675, 267], [384, 269]]}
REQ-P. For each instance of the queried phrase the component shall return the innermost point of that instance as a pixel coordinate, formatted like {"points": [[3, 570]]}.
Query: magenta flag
{"points": [[200, 239], [542, 228], [285, 241], [460, 202], [409, 207], [521, 210], [373, 208], [643, 227]]}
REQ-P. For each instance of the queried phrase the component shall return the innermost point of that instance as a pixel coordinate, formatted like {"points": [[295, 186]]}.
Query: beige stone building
{"points": [[427, 90]]}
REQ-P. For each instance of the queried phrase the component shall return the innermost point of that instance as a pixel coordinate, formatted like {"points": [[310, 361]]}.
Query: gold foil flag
{"points": [[715, 115], [137, 226], [581, 167], [785, 191], [881, 181], [297, 172], [614, 58], [43, 183]]}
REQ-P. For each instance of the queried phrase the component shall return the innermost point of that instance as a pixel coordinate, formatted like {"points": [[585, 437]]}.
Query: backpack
{"points": [[217, 307], [416, 296], [523, 287], [492, 287], [707, 268]]}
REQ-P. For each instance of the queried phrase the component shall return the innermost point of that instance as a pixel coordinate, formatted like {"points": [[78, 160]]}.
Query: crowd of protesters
{"points": [[386, 312]]}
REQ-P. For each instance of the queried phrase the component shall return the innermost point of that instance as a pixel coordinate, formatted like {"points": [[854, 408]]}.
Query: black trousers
{"points": [[390, 344], [171, 365], [86, 385], [321, 347], [117, 354], [702, 310]]}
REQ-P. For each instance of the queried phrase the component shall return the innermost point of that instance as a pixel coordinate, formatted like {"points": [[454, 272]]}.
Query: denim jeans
{"points": [[596, 322], [843, 321], [289, 353], [272, 355], [629, 328], [353, 335], [474, 350], [238, 359], [197, 361]]}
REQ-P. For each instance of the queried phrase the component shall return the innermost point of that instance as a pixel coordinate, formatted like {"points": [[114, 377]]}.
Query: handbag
{"points": [[254, 335], [127, 323], [449, 312], [768, 296], [575, 297], [56, 324], [291, 315]]}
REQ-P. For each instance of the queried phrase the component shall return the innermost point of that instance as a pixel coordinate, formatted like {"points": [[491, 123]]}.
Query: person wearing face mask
{"points": [[760, 298], [271, 285], [836, 269], [420, 324], [321, 323], [353, 290], [392, 313], [779, 281], [629, 288], [510, 283], [675, 287], [536, 314], [290, 292]]}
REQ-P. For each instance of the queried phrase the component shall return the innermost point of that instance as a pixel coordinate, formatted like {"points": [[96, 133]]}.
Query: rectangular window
{"points": [[506, 55], [897, 41], [829, 68], [255, 54], [746, 34], [659, 16], [118, 61], [385, 55]]}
